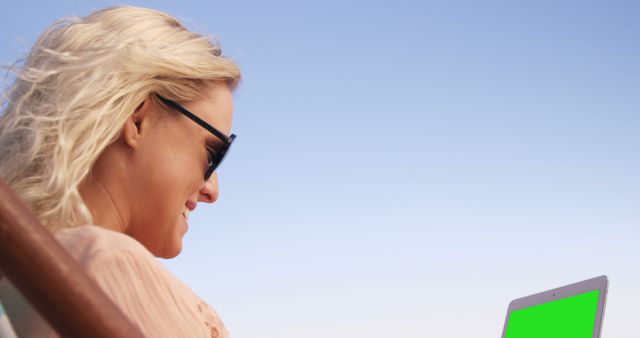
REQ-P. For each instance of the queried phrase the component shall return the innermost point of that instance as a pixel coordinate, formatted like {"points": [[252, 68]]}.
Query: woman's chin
{"points": [[171, 249], [168, 254]]}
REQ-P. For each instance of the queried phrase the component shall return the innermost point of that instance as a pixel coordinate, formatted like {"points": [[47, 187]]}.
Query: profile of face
{"points": [[165, 164]]}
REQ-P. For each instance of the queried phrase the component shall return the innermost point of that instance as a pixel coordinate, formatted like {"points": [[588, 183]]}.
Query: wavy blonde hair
{"points": [[82, 79]]}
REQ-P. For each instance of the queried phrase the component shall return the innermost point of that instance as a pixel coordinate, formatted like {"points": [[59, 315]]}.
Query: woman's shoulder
{"points": [[86, 242], [105, 253], [143, 288]]}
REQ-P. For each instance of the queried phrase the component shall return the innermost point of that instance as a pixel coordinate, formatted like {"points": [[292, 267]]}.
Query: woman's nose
{"points": [[209, 191]]}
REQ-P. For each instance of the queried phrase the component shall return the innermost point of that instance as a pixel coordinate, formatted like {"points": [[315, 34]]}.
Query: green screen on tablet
{"points": [[571, 317]]}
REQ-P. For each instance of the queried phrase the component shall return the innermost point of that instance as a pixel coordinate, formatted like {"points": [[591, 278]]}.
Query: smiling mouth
{"points": [[186, 212]]}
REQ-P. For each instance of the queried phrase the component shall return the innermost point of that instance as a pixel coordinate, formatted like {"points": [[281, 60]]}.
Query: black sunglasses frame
{"points": [[226, 140]]}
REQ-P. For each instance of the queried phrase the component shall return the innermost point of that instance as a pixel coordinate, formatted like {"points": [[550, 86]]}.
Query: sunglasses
{"points": [[215, 155]]}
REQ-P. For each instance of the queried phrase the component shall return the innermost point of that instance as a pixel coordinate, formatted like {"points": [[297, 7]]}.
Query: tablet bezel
{"points": [[598, 283]]}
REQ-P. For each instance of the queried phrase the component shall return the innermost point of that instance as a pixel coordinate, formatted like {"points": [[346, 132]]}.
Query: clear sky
{"points": [[406, 168]]}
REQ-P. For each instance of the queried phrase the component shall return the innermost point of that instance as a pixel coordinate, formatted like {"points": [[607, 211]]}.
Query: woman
{"points": [[111, 133]]}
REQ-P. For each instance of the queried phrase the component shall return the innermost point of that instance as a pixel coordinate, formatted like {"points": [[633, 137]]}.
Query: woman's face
{"points": [[170, 162]]}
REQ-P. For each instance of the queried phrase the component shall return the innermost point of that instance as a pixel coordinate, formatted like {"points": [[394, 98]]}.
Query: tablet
{"points": [[572, 311]]}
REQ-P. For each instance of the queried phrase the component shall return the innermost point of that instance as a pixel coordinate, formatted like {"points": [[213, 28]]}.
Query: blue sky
{"points": [[406, 169]]}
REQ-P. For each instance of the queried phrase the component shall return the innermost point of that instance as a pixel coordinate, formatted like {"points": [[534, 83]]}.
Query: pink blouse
{"points": [[146, 292]]}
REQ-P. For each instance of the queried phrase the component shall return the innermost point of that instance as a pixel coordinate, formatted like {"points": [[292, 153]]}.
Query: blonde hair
{"points": [[82, 79]]}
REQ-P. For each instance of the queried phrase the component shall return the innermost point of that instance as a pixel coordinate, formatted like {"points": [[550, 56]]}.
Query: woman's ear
{"points": [[134, 125]]}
